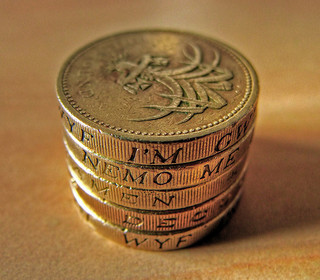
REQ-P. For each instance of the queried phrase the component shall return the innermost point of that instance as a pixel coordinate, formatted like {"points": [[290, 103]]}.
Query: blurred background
{"points": [[275, 233]]}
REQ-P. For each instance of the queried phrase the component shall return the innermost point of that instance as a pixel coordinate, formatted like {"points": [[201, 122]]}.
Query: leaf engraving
{"points": [[193, 87]]}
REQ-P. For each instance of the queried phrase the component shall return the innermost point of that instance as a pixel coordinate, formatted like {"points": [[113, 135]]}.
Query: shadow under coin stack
{"points": [[157, 127]]}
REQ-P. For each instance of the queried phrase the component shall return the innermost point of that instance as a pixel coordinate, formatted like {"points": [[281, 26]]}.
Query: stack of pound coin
{"points": [[157, 128]]}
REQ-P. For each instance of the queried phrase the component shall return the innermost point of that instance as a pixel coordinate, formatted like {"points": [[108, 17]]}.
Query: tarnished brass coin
{"points": [[153, 199], [156, 241], [165, 220], [159, 177], [157, 97]]}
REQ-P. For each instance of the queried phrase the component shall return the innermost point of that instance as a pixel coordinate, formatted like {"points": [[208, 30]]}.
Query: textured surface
{"points": [[275, 234], [157, 84]]}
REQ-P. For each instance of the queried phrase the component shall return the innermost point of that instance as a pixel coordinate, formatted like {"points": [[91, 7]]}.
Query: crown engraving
{"points": [[193, 87]]}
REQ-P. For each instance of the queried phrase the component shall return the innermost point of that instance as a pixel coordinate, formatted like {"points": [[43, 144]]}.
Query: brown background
{"points": [[276, 231]]}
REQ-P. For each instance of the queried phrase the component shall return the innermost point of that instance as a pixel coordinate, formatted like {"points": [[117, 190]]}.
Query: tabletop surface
{"points": [[275, 233]]}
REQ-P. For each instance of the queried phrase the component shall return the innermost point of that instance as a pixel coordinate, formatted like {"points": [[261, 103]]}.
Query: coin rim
{"points": [[86, 188], [116, 214], [248, 101], [116, 234], [185, 171]]}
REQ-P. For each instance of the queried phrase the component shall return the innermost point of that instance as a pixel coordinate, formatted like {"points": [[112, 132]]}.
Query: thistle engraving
{"points": [[193, 87]]}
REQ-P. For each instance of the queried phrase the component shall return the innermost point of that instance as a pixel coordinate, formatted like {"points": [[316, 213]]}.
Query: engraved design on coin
{"points": [[194, 86]]}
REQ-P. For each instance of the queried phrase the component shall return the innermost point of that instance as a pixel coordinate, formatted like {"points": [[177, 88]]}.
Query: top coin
{"points": [[156, 86]]}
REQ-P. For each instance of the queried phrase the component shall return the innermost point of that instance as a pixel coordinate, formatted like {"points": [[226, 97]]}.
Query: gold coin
{"points": [[156, 241], [152, 198], [157, 97], [159, 177], [143, 153], [149, 220]]}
